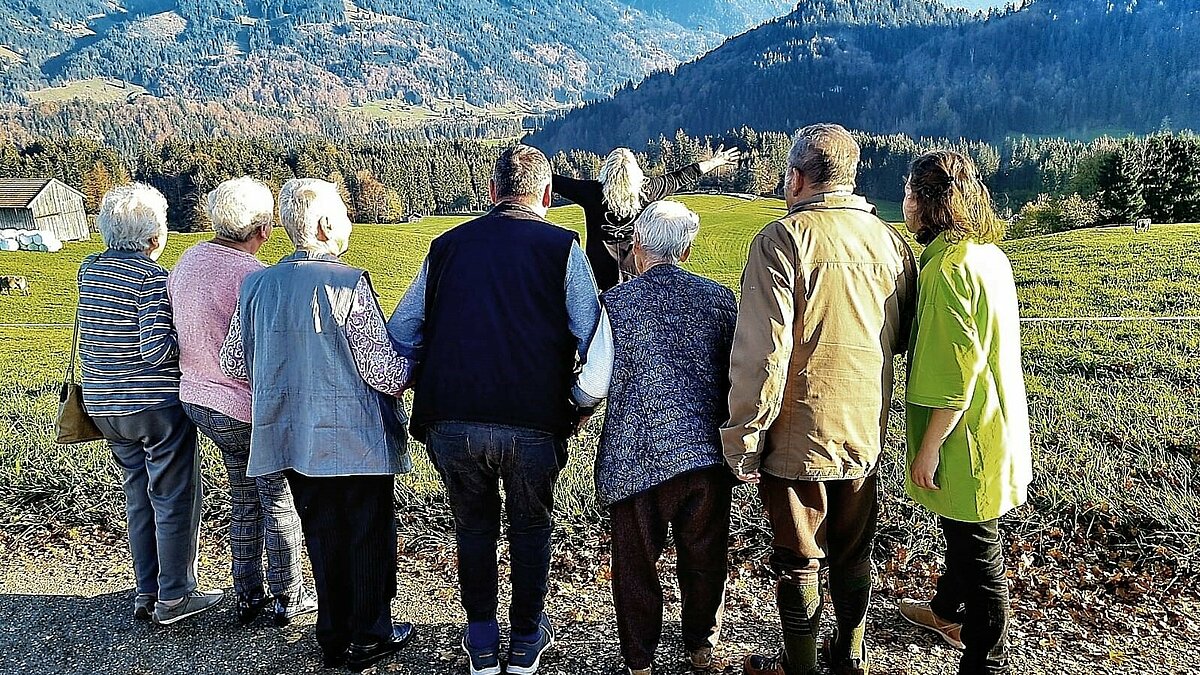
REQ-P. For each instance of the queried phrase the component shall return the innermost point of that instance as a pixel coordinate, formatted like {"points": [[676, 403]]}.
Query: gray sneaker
{"points": [[193, 603], [143, 607]]}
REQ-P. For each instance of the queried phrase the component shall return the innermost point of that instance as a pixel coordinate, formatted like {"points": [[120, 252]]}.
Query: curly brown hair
{"points": [[950, 198]]}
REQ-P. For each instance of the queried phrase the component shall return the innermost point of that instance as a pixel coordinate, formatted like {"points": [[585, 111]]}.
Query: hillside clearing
{"points": [[96, 89]]}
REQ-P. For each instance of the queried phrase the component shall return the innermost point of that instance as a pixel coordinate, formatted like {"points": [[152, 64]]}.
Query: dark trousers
{"points": [[973, 591], [262, 513], [156, 450], [350, 527], [473, 460], [695, 506]]}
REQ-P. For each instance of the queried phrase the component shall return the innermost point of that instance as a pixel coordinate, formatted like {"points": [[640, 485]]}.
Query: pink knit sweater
{"points": [[204, 295]]}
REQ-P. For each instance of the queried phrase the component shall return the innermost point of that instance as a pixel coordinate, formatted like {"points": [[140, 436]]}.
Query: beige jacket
{"points": [[828, 297]]}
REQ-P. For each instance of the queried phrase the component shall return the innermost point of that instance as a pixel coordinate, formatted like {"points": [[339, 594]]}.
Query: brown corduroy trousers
{"points": [[695, 507]]}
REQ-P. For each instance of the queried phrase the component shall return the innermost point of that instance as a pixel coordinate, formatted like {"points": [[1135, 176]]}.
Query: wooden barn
{"points": [[43, 204]]}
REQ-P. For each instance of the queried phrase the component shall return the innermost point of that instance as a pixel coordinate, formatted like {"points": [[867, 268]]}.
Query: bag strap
{"points": [[69, 376]]}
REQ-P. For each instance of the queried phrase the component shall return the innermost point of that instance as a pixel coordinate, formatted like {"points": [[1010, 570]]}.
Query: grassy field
{"points": [[1116, 425], [95, 89]]}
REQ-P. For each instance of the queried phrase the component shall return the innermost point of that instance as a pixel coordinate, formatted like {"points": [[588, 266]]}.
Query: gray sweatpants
{"points": [[156, 450]]}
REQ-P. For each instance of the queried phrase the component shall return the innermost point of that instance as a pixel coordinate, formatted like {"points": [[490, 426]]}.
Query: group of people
{"points": [[509, 345]]}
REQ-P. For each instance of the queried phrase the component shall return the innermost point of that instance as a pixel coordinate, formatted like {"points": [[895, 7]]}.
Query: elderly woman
{"points": [[611, 204], [130, 361], [968, 421], [309, 337], [659, 466], [204, 295]]}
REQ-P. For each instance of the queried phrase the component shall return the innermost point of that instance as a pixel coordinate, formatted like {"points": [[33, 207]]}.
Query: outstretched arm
{"points": [[572, 189]]}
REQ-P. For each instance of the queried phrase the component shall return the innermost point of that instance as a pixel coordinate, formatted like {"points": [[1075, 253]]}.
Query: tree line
{"points": [[1052, 184]]}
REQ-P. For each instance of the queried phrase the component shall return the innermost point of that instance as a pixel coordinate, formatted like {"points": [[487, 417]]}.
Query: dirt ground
{"points": [[67, 609]]}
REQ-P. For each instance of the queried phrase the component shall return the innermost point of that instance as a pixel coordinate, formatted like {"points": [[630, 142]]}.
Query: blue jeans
{"points": [[261, 513], [156, 450], [473, 459]]}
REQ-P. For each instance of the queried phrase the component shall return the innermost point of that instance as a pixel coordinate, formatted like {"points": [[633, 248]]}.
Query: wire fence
{"points": [[1027, 320]]}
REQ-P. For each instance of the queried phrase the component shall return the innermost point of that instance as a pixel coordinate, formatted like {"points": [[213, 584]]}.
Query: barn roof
{"points": [[19, 193]]}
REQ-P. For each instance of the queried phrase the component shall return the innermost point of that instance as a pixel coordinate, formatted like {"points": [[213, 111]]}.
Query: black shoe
{"points": [[334, 659], [248, 609], [287, 608], [361, 657]]}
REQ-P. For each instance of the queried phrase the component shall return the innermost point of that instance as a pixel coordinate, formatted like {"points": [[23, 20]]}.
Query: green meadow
{"points": [[1115, 422]]}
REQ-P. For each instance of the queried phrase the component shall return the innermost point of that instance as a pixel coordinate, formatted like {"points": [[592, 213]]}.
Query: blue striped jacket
{"points": [[127, 345]]}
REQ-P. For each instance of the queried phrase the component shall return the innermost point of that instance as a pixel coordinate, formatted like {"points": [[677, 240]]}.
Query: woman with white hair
{"points": [[659, 465], [203, 289], [309, 337], [611, 204], [130, 359]]}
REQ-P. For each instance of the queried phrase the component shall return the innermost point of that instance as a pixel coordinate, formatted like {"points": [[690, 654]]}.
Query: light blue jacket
{"points": [[312, 411]]}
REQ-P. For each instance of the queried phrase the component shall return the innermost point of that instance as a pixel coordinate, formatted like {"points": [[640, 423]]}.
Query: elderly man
{"points": [[659, 463], [204, 295], [827, 301], [130, 359], [309, 336], [500, 312]]}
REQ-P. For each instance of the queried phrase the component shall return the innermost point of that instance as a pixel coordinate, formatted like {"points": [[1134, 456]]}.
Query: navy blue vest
{"points": [[498, 346], [672, 335]]}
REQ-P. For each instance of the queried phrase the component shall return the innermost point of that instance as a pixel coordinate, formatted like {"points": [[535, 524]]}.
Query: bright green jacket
{"points": [[966, 355]]}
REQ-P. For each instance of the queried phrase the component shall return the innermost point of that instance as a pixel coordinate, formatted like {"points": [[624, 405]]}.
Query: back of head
{"points": [[826, 155], [303, 202], [949, 196], [666, 229], [622, 178], [521, 174], [239, 207], [130, 216]]}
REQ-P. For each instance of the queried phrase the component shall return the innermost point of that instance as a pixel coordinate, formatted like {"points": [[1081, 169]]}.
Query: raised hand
{"points": [[721, 158]]}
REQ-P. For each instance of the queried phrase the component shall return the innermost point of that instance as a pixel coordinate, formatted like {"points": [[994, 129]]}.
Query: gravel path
{"points": [[68, 610]]}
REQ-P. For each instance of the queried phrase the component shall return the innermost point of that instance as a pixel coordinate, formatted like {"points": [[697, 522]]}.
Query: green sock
{"points": [[851, 595], [800, 616]]}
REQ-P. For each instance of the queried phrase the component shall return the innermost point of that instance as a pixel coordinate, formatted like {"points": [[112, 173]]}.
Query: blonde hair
{"points": [[622, 178]]}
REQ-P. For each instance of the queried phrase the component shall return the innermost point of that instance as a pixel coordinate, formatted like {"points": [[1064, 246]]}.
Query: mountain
{"points": [[1060, 67], [727, 18], [532, 53]]}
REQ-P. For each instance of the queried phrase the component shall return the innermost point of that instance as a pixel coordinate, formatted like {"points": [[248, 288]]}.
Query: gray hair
{"points": [[622, 178], [825, 154], [303, 202], [521, 171], [239, 207], [131, 215], [666, 229]]}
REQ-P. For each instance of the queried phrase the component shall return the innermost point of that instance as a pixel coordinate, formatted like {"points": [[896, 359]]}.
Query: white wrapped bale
{"points": [[9, 245], [53, 246]]}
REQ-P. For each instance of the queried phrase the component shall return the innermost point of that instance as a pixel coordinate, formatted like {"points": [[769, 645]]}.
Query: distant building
{"points": [[414, 218], [43, 204]]}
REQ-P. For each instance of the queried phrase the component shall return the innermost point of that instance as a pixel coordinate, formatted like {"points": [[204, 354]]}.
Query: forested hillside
{"points": [[1060, 67], [542, 53]]}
